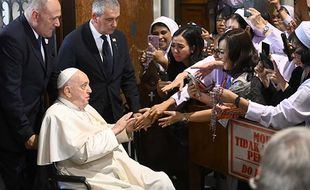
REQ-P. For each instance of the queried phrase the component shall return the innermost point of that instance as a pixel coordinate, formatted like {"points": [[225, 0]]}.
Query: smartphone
{"points": [[287, 50], [265, 48], [200, 85], [154, 40], [248, 4], [267, 63]]}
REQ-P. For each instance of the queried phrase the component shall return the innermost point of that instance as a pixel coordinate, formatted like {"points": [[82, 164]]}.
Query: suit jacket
{"points": [[24, 77], [79, 50]]}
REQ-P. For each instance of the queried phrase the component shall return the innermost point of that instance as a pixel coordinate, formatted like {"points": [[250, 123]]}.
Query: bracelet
{"points": [[185, 118], [237, 101]]}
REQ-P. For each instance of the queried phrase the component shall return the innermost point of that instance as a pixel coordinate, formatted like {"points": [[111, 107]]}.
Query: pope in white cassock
{"points": [[79, 140]]}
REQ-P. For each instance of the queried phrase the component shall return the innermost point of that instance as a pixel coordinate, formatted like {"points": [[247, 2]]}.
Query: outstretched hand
{"points": [[207, 68], [156, 111], [178, 82], [160, 85], [124, 122], [170, 118], [143, 121]]}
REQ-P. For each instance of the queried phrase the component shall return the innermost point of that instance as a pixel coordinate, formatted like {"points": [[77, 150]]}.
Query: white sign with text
{"points": [[245, 143]]}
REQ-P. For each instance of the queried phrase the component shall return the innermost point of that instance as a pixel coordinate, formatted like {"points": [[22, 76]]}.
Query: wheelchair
{"points": [[58, 181]]}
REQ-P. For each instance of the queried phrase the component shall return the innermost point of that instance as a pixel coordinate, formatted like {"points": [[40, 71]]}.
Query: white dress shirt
{"points": [[98, 39]]}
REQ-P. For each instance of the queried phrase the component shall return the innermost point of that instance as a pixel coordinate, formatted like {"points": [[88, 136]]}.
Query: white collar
{"points": [[69, 104], [95, 33]]}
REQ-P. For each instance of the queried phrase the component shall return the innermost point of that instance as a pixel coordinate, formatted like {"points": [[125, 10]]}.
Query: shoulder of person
{"points": [[57, 109], [306, 83], [118, 34]]}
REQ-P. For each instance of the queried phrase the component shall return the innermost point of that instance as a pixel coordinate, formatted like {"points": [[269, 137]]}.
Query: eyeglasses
{"points": [[219, 51], [219, 20]]}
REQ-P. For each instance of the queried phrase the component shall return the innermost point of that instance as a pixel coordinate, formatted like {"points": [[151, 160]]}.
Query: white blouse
{"points": [[290, 112]]}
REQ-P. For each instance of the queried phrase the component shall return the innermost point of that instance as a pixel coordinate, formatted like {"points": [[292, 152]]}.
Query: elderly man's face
{"points": [[79, 89], [47, 19]]}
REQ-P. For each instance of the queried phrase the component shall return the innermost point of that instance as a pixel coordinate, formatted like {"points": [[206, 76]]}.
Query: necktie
{"points": [[39, 41], [41, 48], [107, 55]]}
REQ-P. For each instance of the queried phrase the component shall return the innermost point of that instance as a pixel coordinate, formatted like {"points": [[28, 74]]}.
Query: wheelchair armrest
{"points": [[68, 178], [56, 178]]}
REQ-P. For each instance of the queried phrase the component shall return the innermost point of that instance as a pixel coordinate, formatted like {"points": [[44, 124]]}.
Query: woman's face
{"points": [[277, 21], [223, 55], [297, 52], [180, 49], [220, 25], [164, 35]]}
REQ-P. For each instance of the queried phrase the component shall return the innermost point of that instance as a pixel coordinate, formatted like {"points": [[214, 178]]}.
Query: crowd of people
{"points": [[68, 109]]}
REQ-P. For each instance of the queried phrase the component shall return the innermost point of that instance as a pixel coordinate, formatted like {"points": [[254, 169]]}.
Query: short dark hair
{"points": [[192, 34]]}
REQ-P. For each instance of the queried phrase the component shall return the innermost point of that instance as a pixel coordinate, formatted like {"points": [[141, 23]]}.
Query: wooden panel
{"points": [[67, 20], [301, 12], [200, 12], [135, 21], [195, 1], [136, 18], [194, 13], [83, 11], [204, 152]]}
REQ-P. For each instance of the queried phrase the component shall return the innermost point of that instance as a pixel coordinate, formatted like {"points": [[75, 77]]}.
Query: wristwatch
{"points": [[237, 101], [185, 118], [265, 29]]}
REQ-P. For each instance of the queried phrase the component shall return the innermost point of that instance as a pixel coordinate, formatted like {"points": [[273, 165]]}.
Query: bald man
{"points": [[27, 53]]}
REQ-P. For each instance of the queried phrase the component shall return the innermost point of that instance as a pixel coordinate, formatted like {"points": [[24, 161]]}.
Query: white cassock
{"points": [[83, 144]]}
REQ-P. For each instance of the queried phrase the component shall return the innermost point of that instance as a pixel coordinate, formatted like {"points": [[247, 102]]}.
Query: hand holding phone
{"points": [[267, 63], [287, 50], [154, 41], [200, 86], [153, 44], [265, 48]]}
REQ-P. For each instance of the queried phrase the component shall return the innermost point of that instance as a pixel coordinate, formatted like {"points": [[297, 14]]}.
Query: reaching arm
{"points": [[288, 112], [157, 110], [172, 117]]}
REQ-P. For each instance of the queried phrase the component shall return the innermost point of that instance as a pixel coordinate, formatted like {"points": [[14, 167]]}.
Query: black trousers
{"points": [[18, 169]]}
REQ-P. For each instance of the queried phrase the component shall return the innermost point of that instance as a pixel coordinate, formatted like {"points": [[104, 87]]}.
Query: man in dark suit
{"points": [[25, 69], [85, 49]]}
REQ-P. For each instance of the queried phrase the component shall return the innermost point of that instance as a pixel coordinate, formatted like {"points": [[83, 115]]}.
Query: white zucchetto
{"points": [[64, 76]]}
